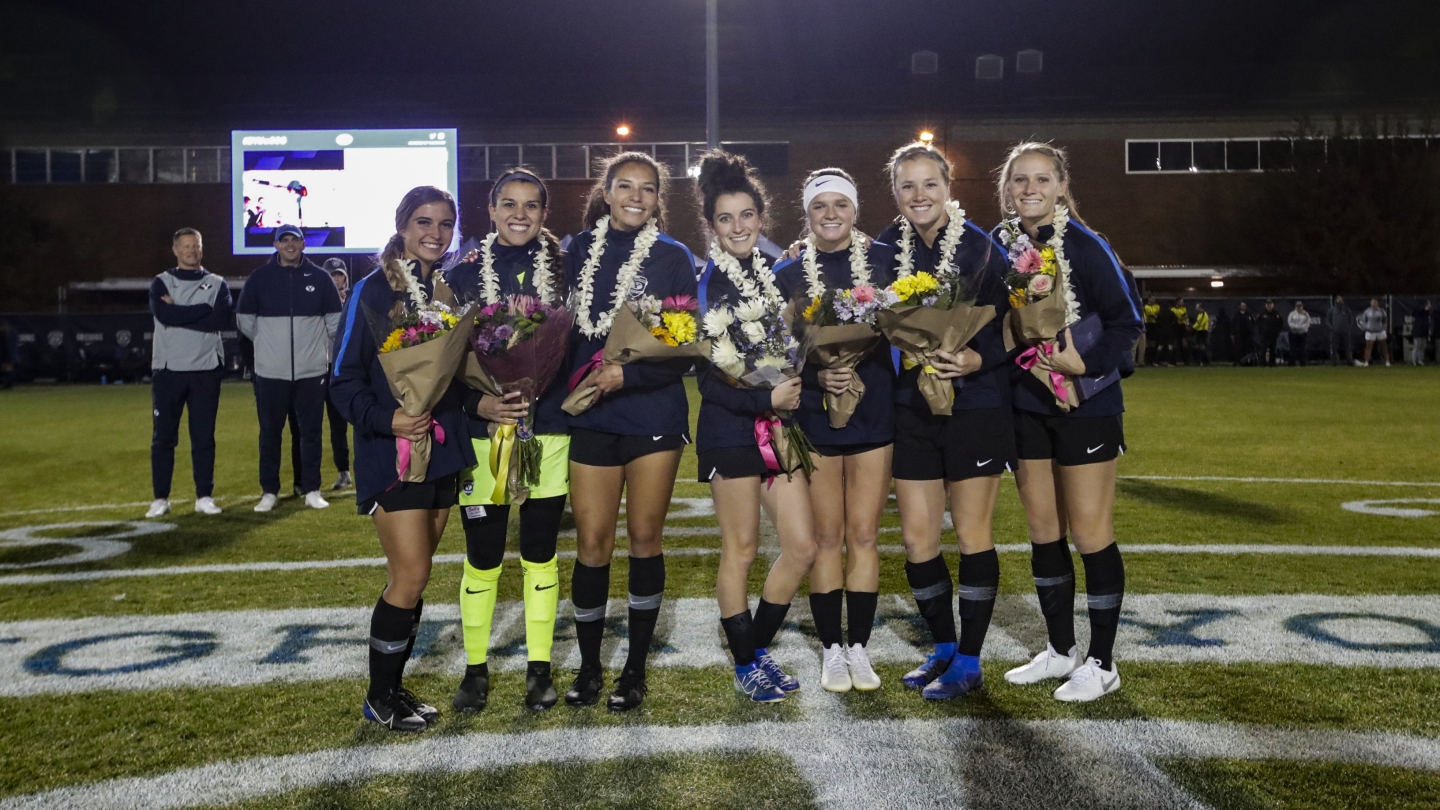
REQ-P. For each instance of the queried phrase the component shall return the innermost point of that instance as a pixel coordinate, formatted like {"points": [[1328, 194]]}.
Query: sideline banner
{"points": [[86, 346]]}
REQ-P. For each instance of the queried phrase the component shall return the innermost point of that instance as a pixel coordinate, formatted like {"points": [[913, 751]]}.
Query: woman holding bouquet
{"points": [[521, 257], [1067, 454], [731, 457], [628, 444], [853, 464], [409, 515], [963, 452]]}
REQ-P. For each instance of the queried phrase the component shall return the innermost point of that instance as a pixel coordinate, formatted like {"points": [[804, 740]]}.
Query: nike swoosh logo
{"points": [[656, 438], [983, 463], [545, 587], [820, 183], [467, 590], [1089, 450]]}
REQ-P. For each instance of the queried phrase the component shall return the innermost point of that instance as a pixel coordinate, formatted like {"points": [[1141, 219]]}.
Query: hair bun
{"points": [[721, 173]]}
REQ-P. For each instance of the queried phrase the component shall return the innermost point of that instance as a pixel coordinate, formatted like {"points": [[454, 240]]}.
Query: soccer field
{"points": [[1280, 642]]}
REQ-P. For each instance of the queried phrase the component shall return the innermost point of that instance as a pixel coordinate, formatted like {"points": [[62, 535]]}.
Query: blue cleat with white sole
{"points": [[960, 679], [777, 676], [921, 676], [752, 682]]}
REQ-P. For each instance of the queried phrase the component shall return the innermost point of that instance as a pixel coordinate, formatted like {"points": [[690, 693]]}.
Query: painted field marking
{"points": [[92, 548], [1380, 508]]}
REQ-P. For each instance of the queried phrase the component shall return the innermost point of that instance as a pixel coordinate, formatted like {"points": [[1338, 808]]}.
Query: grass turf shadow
{"points": [[1212, 504]]}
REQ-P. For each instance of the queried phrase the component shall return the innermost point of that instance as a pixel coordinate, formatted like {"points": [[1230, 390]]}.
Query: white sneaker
{"points": [[835, 672], [158, 507], [267, 502], [1089, 682], [206, 506], [314, 501], [343, 482], [1360, 364], [1048, 664], [862, 675]]}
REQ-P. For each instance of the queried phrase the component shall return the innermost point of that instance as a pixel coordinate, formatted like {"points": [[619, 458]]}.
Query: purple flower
{"points": [[503, 331]]}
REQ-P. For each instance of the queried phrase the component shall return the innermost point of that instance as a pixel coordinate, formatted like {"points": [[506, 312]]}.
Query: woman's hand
{"points": [[608, 378], [413, 428], [471, 256], [786, 395], [1067, 361], [504, 410], [836, 380], [949, 366], [795, 251]]}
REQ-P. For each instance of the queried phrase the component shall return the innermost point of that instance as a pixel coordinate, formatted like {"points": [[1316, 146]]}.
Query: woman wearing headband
{"points": [[853, 467], [521, 257]]}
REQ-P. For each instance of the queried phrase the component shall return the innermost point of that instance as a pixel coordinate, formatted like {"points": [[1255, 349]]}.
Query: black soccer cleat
{"points": [[586, 688], [424, 711], [629, 691], [539, 686], [392, 712], [474, 690]]}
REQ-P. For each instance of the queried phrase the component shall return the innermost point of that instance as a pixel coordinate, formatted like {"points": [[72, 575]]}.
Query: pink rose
{"points": [[1042, 284], [863, 294], [1029, 262]]}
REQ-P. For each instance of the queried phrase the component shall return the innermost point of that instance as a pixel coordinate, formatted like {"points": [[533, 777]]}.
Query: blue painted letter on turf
{"points": [[302, 637], [1312, 626], [1182, 633], [193, 644]]}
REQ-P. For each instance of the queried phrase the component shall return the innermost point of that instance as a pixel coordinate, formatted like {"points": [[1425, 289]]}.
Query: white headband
{"points": [[830, 182]]}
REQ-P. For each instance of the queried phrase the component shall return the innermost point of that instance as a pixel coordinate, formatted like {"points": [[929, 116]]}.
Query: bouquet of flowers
{"points": [[1038, 316], [518, 344], [648, 328], [842, 332], [751, 347], [932, 314]]}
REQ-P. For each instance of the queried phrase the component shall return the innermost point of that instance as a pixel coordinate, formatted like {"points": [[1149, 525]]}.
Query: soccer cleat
{"points": [[1088, 683], [586, 688], [158, 507], [343, 482], [206, 506], [474, 690], [1048, 664], [777, 676], [862, 675], [752, 682], [424, 711], [393, 713], [629, 691], [539, 686], [314, 501], [267, 502], [835, 671], [962, 677], [921, 676], [297, 491]]}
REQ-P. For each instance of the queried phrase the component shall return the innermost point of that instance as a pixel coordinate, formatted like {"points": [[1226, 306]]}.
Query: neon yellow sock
{"points": [[542, 597], [477, 610]]}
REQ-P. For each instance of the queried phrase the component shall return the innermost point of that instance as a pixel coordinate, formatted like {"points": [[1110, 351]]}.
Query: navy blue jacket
{"points": [[360, 391], [727, 413], [1100, 287], [874, 419], [982, 264], [514, 268], [652, 402], [292, 314]]}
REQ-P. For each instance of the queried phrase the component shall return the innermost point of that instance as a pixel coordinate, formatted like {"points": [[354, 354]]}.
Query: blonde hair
{"points": [[394, 249], [916, 151], [1057, 158]]}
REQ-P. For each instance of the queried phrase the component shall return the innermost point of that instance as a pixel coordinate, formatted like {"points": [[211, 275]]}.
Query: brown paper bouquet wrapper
{"points": [[418, 377], [920, 332], [629, 341], [842, 346], [1034, 324]]}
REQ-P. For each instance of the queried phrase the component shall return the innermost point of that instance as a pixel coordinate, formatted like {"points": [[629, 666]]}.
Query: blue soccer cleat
{"points": [[752, 682], [921, 676], [961, 678], [777, 676]]}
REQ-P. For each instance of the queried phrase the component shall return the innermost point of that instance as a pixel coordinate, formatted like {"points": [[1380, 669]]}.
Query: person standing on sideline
{"points": [[1376, 326], [191, 305], [1242, 337], [1145, 346], [339, 430], [1201, 327], [1271, 325], [1182, 330], [1342, 332], [291, 310], [1420, 333], [1298, 322]]}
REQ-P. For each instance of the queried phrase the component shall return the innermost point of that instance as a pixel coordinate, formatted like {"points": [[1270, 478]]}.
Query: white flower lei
{"points": [[731, 267], [623, 281], [859, 265], [490, 280], [412, 286], [954, 229], [1057, 241]]}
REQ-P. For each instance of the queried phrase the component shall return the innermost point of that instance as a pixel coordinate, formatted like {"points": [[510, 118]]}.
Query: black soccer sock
{"points": [[768, 619], [979, 580], [1105, 590], [389, 639], [485, 537], [589, 591], [825, 608], [860, 615], [739, 632], [414, 631], [539, 526], [1054, 573], [647, 590], [930, 584]]}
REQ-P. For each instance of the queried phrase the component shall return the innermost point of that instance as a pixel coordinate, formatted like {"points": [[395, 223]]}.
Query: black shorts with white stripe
{"points": [[1070, 440]]}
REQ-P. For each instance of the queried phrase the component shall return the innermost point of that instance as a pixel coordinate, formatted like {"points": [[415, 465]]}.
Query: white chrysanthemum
{"points": [[724, 354], [751, 311], [770, 361], [754, 331], [717, 321]]}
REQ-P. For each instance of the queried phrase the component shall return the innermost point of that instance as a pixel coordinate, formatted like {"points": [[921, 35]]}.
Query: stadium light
{"points": [[927, 136], [623, 130], [1217, 283]]}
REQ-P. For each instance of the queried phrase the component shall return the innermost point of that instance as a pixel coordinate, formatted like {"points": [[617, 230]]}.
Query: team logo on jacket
{"points": [[207, 285], [469, 488], [310, 288], [638, 287]]}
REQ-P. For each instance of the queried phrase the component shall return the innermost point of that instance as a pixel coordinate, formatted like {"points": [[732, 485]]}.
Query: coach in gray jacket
{"points": [[290, 309]]}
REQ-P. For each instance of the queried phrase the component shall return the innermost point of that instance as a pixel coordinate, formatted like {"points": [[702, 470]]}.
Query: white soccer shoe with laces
{"points": [[158, 507], [835, 672], [1089, 682], [862, 675], [314, 500], [206, 506], [1048, 664], [267, 502]]}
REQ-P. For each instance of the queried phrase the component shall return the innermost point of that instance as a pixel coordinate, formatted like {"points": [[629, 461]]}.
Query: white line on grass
{"points": [[138, 504]]}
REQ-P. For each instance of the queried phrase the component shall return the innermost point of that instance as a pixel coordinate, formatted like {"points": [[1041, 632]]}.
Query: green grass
{"points": [[1231, 785]]}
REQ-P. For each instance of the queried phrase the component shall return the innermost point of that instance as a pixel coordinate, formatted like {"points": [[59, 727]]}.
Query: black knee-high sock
{"points": [[825, 608], [860, 615], [485, 537], [414, 631], [389, 639], [589, 591], [1054, 573], [1105, 590], [930, 584], [768, 619], [739, 632], [979, 580], [647, 589], [539, 526]]}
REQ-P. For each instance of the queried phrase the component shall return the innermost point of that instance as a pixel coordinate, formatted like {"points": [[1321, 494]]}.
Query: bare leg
{"points": [[595, 500], [649, 484], [788, 505], [867, 485], [973, 512], [827, 499], [922, 516], [737, 510], [406, 537], [1040, 494]]}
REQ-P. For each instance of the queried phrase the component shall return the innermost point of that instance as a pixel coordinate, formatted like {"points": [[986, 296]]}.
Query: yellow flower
{"points": [[811, 311], [664, 335], [914, 285], [391, 343], [1017, 298], [681, 326], [1047, 253], [449, 320]]}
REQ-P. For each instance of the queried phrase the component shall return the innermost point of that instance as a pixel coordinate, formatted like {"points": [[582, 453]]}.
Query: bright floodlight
{"points": [[927, 136], [1217, 283], [623, 130]]}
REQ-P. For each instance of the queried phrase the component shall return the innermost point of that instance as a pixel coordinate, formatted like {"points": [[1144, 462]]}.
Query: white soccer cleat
{"points": [[1089, 682], [158, 507], [1048, 664], [862, 675], [206, 506], [315, 501], [835, 672], [267, 502]]}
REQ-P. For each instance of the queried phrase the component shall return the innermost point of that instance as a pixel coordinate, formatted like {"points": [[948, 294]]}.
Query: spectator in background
{"points": [[1271, 325], [291, 310], [339, 429], [1299, 324], [1201, 331], [1182, 330], [8, 352], [1145, 346], [187, 358], [1376, 326], [1342, 332], [1242, 337], [1165, 330], [1421, 332]]}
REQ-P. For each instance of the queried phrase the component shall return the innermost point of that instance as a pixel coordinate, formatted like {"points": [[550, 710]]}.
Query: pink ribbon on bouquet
{"points": [[1031, 356], [765, 428], [590, 365], [402, 452]]}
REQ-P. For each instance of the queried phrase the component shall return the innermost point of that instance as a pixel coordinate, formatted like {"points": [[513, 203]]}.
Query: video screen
{"points": [[339, 186]]}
